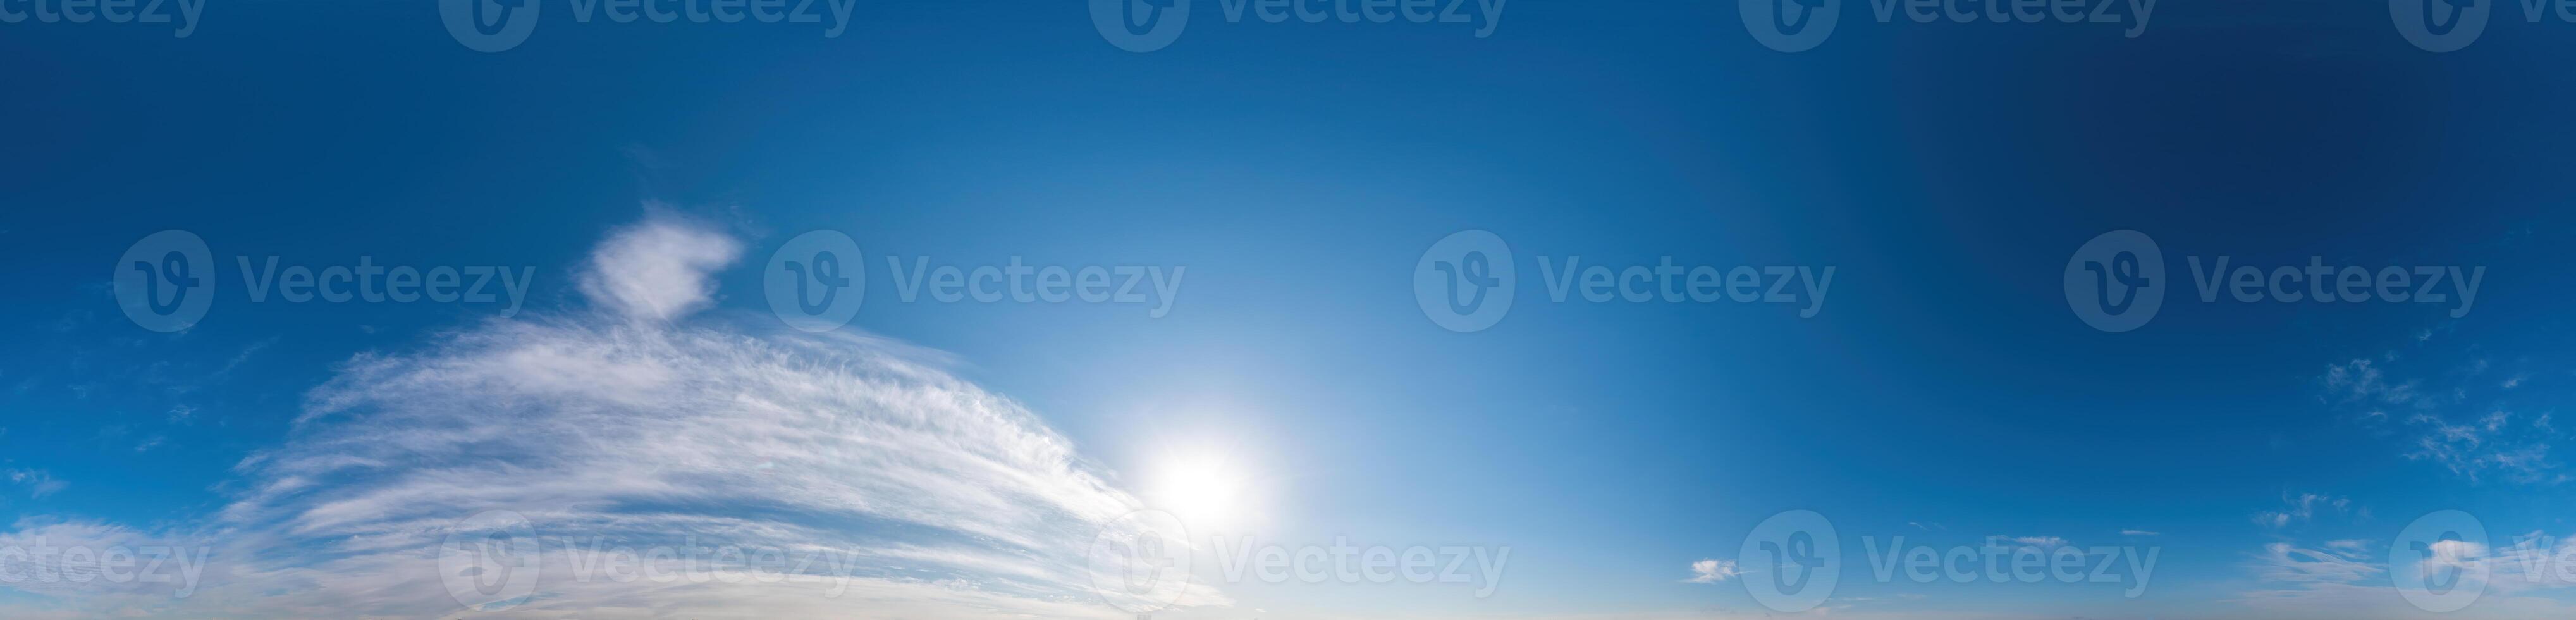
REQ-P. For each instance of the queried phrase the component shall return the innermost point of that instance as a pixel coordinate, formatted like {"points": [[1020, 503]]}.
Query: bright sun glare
{"points": [[1203, 490]]}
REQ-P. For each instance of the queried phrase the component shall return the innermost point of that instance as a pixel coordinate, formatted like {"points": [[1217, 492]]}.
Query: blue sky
{"points": [[1280, 192]]}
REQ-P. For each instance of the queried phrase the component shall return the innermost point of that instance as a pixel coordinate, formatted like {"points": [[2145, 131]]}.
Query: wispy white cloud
{"points": [[2284, 562], [37, 482], [635, 422], [2490, 444], [2362, 381], [2043, 542], [2340, 582], [2300, 508], [2477, 443]]}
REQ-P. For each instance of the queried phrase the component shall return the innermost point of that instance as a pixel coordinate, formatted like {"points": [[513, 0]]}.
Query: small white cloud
{"points": [[1712, 571], [657, 270], [2044, 542], [2139, 533]]}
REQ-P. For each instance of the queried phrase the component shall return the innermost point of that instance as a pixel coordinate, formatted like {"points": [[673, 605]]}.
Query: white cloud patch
{"points": [[628, 425], [657, 270], [1713, 571]]}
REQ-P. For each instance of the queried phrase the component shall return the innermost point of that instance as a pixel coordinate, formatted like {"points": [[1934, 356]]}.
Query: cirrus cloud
{"points": [[635, 422]]}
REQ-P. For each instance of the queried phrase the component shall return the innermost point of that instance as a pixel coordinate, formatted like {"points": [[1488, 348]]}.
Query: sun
{"points": [[1204, 490]]}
